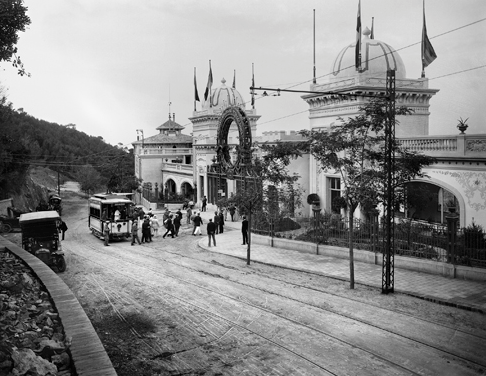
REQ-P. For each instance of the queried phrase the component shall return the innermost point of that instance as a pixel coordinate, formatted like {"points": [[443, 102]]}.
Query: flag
{"points": [[372, 36], [196, 95], [234, 80], [428, 53], [252, 87], [358, 39], [210, 83]]}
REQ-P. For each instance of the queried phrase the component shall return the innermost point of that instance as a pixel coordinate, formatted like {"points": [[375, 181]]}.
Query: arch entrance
{"points": [[224, 167], [429, 202]]}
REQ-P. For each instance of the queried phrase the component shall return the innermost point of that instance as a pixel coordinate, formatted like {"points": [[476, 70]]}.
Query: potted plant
{"points": [[462, 126]]}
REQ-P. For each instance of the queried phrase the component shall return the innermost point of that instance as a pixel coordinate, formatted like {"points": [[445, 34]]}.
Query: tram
{"points": [[110, 210]]}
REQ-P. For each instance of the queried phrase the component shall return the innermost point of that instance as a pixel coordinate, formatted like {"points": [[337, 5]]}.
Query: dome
{"points": [[223, 97], [376, 58]]}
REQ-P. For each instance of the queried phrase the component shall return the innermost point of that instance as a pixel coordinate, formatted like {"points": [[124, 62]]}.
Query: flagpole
{"points": [[314, 43], [252, 86], [423, 36], [372, 36], [234, 79], [358, 39], [195, 90]]}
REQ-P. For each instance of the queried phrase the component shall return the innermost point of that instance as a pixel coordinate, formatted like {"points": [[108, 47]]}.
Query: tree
{"points": [[270, 190], [89, 179], [355, 150], [13, 19]]}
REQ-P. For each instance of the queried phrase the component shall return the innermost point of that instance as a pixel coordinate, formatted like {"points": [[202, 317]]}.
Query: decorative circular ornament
{"points": [[243, 157]]}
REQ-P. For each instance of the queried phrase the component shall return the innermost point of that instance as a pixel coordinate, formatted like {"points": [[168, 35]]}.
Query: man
{"points": [[177, 224], [146, 230], [216, 221], [106, 233], [179, 214], [135, 232], [211, 229], [197, 224], [169, 226], [232, 211], [63, 228], [221, 222], [204, 203], [244, 230]]}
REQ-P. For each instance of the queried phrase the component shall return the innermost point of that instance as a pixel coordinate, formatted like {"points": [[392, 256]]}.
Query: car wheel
{"points": [[61, 263]]}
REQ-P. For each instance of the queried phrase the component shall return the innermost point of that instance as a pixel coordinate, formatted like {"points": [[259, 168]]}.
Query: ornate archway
{"points": [[242, 165]]}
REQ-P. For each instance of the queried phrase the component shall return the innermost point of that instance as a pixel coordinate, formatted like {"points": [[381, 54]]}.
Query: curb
{"points": [[87, 352], [433, 299]]}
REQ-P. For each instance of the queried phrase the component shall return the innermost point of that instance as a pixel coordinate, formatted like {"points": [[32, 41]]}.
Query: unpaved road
{"points": [[170, 308]]}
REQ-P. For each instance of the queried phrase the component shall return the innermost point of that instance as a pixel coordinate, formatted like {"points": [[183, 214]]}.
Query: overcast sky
{"points": [[108, 66]]}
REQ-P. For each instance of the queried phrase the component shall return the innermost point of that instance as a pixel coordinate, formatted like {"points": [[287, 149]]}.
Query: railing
{"points": [[177, 167], [411, 239], [430, 144], [463, 145], [167, 151]]}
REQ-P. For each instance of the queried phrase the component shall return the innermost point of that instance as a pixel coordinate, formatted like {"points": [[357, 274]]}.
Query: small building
{"points": [[166, 159]]}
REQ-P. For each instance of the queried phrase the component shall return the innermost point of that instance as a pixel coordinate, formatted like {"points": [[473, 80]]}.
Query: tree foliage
{"points": [[26, 141], [13, 19], [355, 150], [271, 190]]}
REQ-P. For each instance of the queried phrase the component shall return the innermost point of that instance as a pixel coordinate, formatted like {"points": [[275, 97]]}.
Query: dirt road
{"points": [[170, 308]]}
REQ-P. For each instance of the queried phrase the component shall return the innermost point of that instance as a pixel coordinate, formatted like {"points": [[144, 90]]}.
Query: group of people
{"points": [[149, 224]]}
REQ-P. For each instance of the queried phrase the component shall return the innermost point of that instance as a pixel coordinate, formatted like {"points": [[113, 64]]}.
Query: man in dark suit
{"points": [[244, 230], [211, 229]]}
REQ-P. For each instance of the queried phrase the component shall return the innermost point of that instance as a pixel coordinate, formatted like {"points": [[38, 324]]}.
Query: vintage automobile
{"points": [[55, 203], [40, 236], [10, 222]]}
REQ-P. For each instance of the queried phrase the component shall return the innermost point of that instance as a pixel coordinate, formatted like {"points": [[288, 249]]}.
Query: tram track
{"points": [[165, 260]]}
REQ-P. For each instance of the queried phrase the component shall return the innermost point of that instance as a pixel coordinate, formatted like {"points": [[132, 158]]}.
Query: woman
{"points": [[154, 226]]}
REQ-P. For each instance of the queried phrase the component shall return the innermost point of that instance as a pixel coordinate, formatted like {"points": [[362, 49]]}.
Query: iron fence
{"points": [[411, 239]]}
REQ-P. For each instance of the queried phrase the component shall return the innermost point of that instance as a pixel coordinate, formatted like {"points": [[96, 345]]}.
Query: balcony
{"points": [[460, 146], [177, 167], [167, 151]]}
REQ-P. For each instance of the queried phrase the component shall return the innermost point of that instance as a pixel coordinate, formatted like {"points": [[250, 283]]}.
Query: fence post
{"points": [[452, 220]]}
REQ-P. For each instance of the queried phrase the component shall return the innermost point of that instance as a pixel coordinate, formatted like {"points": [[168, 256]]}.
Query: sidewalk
{"points": [[455, 292]]}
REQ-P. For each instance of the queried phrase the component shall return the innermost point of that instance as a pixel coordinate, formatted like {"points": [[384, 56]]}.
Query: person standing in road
{"points": [[216, 222], [146, 230], [221, 222], [189, 215], [177, 224], [211, 229], [106, 233], [154, 225], [232, 211], [244, 230], [135, 233], [63, 229], [197, 224], [204, 203]]}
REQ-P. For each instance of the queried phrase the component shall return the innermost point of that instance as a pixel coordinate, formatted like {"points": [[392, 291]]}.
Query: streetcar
{"points": [[110, 210]]}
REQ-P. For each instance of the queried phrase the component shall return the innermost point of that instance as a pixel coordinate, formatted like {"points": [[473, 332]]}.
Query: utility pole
{"points": [[388, 269]]}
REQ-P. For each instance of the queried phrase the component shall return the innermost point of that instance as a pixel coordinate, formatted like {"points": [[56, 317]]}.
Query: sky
{"points": [[113, 66]]}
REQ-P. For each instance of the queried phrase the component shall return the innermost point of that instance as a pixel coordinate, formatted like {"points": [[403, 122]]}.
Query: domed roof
{"points": [[376, 58], [223, 97]]}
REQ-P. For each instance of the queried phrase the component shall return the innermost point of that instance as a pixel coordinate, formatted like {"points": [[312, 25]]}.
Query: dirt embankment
{"points": [[40, 181]]}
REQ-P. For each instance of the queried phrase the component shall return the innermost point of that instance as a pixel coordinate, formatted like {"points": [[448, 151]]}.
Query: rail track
{"points": [[174, 258]]}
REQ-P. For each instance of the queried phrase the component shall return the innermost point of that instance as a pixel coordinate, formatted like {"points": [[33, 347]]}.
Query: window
{"points": [[334, 189]]}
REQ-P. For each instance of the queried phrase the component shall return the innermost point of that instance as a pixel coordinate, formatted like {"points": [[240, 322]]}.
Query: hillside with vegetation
{"points": [[27, 142]]}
